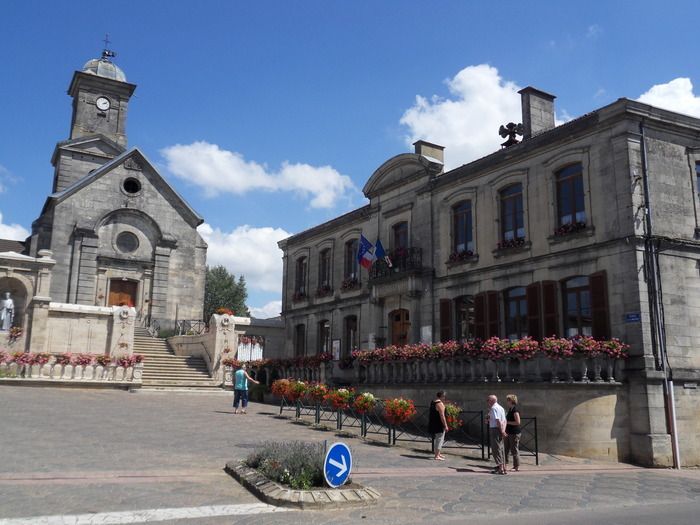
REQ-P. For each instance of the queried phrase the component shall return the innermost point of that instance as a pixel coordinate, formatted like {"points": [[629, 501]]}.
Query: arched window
{"points": [[462, 228], [352, 337], [570, 200], [400, 236], [512, 216], [576, 293], [351, 259], [300, 277], [324, 336], [300, 340], [324, 269], [515, 302], [697, 178]]}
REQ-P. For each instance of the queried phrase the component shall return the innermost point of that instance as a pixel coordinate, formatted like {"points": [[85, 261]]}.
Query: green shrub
{"points": [[297, 464]]}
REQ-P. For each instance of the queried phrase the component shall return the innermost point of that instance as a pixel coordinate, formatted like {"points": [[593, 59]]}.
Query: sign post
{"points": [[337, 464]]}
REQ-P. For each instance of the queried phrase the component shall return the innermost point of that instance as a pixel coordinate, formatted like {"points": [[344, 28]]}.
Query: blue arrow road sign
{"points": [[337, 465]]}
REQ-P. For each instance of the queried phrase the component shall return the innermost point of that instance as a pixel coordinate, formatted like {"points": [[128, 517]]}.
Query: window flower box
{"points": [[567, 229], [349, 283], [299, 296], [324, 291], [461, 257], [509, 244]]}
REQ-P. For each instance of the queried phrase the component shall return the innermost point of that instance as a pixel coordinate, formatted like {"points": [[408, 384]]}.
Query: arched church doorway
{"points": [[122, 292], [400, 325]]}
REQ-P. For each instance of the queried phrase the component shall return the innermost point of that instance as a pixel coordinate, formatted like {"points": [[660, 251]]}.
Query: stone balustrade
{"points": [[93, 373], [303, 373], [464, 370]]}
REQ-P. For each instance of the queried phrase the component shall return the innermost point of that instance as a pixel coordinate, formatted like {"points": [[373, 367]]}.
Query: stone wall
{"points": [[588, 421], [87, 329]]}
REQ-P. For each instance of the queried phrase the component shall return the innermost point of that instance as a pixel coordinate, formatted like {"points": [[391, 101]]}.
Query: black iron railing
{"points": [[401, 260], [529, 445]]}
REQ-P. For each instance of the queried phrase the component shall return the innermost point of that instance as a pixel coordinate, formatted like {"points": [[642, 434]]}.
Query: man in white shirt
{"points": [[497, 431]]}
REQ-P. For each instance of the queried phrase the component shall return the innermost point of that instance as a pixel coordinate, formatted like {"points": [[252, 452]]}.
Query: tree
{"points": [[222, 291]]}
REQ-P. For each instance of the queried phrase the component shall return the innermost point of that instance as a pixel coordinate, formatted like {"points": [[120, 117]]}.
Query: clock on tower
{"points": [[100, 98]]}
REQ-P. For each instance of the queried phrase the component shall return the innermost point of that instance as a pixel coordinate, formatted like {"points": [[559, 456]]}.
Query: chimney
{"points": [[538, 111], [432, 151]]}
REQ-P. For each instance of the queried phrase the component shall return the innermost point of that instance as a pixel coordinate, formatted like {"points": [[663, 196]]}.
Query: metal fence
{"points": [[529, 445], [470, 435]]}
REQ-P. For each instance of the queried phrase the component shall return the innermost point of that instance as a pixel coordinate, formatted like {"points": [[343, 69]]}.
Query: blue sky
{"points": [[269, 116]]}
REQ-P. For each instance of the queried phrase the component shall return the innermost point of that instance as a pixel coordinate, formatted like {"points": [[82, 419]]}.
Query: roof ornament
{"points": [[510, 130], [107, 53]]}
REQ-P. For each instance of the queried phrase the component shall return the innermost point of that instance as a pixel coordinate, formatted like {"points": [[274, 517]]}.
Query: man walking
{"points": [[240, 389], [497, 431]]}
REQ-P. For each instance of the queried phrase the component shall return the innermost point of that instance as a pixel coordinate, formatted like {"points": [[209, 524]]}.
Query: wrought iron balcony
{"points": [[403, 260]]}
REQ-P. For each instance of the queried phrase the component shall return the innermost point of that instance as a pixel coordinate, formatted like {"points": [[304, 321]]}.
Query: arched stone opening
{"points": [[20, 297]]}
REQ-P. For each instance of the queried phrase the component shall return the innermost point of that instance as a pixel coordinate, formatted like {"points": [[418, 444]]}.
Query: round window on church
{"points": [[127, 242], [132, 186]]}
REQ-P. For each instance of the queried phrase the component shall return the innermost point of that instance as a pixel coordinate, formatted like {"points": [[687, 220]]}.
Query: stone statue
{"points": [[7, 311]]}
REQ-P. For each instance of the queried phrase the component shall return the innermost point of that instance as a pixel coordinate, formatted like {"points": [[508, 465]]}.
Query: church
{"points": [[119, 234]]}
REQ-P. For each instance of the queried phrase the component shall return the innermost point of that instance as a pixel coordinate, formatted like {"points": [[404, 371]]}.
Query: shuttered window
{"points": [[465, 321], [516, 308], [550, 319], [534, 318], [576, 302], [480, 316], [486, 315], [445, 320], [599, 306], [300, 340]]}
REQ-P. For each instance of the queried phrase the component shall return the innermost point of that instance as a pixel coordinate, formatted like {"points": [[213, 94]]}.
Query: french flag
{"points": [[365, 256]]}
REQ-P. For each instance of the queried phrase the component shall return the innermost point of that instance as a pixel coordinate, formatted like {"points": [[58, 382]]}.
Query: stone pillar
{"points": [[159, 293], [122, 332], [87, 272]]}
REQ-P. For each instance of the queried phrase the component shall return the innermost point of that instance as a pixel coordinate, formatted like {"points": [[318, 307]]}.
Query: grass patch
{"points": [[296, 464], [6, 373]]}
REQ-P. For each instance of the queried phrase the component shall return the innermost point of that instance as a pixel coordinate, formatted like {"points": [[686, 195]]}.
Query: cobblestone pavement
{"points": [[70, 451]]}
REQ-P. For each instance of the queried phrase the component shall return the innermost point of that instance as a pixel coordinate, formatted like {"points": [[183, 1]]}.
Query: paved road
{"points": [[80, 452]]}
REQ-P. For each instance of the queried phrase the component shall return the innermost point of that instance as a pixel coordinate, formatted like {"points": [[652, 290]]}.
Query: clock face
{"points": [[102, 103]]}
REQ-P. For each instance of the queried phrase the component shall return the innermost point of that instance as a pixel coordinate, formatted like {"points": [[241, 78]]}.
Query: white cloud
{"points": [[218, 171], [16, 232], [594, 31], [271, 309], [467, 122], [251, 252], [676, 95]]}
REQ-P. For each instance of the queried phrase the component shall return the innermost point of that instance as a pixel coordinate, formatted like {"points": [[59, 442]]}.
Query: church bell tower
{"points": [[100, 100]]}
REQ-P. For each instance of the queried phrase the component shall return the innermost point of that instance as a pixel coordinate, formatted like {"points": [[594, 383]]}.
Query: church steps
{"points": [[164, 370]]}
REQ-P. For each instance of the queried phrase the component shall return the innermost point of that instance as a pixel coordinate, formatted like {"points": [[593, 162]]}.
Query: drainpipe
{"points": [[656, 312]]}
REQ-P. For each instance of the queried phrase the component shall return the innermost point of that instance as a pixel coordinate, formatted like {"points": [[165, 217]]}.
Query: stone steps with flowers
{"points": [[162, 369]]}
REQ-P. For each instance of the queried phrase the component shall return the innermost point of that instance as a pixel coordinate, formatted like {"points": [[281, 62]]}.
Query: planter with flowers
{"points": [[559, 350], [349, 283], [399, 410], [452, 416], [615, 350], [568, 229], [461, 257], [340, 398]]}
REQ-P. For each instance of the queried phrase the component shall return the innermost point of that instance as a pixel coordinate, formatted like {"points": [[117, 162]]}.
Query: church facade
{"points": [[118, 232]]}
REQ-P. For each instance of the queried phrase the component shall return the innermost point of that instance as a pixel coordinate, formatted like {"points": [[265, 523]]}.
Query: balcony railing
{"points": [[402, 260]]}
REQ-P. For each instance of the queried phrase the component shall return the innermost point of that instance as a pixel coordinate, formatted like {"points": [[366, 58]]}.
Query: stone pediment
{"points": [[134, 160], [97, 145], [400, 170]]}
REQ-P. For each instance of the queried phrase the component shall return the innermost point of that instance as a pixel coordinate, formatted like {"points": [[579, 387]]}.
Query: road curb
{"points": [[273, 493]]}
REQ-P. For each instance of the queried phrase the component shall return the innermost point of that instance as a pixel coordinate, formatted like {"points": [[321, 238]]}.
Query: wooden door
{"points": [[122, 293], [400, 325]]}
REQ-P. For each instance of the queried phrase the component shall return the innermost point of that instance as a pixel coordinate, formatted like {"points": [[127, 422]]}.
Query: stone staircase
{"points": [[163, 370]]}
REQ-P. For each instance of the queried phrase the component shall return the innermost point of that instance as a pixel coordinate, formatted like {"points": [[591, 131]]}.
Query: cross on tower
{"points": [[107, 53]]}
